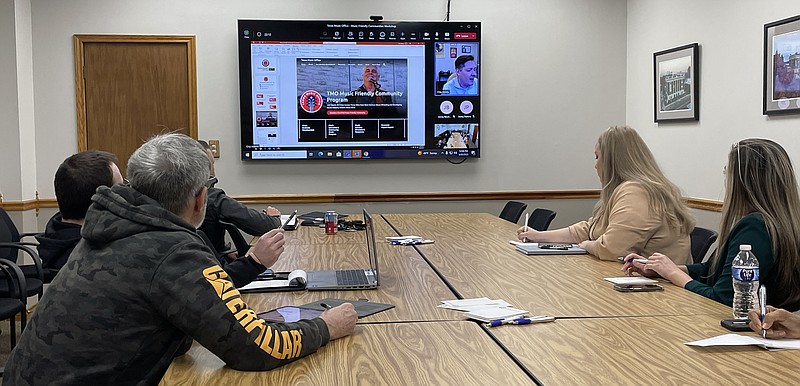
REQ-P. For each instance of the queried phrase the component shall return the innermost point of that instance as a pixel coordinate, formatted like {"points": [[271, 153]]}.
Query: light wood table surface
{"points": [[316, 235], [442, 353], [643, 351], [406, 280], [472, 252]]}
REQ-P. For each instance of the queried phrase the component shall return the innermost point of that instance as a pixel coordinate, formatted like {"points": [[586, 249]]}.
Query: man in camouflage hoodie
{"points": [[141, 280]]}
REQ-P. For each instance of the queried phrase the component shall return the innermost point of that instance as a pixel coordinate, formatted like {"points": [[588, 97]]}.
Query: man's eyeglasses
{"points": [[210, 182]]}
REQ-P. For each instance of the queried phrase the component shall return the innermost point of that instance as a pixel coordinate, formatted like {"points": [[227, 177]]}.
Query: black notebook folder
{"points": [[363, 307]]}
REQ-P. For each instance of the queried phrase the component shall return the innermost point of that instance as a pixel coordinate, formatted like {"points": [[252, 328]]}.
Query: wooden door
{"points": [[131, 87]]}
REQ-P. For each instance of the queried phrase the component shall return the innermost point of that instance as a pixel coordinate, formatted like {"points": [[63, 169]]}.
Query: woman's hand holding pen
{"points": [[527, 234], [659, 264], [779, 323], [630, 266]]}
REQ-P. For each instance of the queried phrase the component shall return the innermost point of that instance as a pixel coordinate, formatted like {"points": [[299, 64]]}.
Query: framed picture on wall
{"points": [[782, 66], [676, 83]]}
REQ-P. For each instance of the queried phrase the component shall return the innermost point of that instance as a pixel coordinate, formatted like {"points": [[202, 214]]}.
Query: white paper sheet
{"points": [[747, 340], [630, 280]]}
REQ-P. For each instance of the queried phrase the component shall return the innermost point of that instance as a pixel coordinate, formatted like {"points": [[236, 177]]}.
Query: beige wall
{"points": [[553, 76], [731, 38]]}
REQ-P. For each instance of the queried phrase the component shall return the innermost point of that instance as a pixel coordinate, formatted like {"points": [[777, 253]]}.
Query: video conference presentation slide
{"points": [[326, 90]]}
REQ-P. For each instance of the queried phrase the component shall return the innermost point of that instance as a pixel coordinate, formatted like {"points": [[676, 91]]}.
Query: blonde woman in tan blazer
{"points": [[640, 210]]}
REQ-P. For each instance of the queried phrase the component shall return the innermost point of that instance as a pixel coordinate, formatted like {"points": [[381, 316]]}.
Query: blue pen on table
{"points": [[529, 320], [762, 300], [411, 242]]}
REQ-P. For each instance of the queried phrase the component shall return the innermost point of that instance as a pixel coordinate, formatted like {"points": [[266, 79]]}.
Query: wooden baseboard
{"points": [[696, 203], [703, 204]]}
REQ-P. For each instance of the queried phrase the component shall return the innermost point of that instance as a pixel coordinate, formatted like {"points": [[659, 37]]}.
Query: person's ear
{"points": [[200, 200]]}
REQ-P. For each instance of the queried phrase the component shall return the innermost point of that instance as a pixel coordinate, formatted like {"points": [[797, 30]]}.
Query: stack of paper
{"points": [[472, 304], [487, 314], [484, 309], [744, 340]]}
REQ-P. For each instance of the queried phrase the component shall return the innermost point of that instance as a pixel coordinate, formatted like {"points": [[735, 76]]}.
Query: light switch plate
{"points": [[214, 144]]}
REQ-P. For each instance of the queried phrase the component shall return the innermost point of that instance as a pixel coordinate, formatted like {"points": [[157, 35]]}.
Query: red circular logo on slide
{"points": [[311, 101], [265, 62]]}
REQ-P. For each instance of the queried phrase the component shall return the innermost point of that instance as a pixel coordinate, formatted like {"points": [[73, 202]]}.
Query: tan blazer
{"points": [[632, 228]]}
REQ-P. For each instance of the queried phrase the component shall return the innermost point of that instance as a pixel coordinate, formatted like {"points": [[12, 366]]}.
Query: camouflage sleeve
{"points": [[249, 220], [195, 294]]}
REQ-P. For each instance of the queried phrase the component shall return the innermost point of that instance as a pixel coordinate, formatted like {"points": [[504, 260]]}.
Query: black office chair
{"points": [[10, 246], [541, 218], [16, 302], [223, 258], [702, 239], [240, 244], [513, 211]]}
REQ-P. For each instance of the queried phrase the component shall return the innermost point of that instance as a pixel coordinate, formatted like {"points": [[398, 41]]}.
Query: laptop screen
{"points": [[371, 247]]}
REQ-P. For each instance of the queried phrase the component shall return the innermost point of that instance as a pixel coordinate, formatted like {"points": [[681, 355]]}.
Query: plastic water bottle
{"points": [[745, 282]]}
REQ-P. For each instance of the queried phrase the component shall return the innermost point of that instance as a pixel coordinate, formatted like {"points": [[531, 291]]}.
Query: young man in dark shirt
{"points": [[76, 181]]}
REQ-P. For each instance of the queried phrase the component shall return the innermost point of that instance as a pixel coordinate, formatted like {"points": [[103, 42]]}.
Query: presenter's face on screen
{"points": [[598, 163], [466, 74], [370, 74]]}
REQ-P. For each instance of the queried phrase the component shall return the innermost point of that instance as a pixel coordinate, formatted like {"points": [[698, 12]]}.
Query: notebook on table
{"points": [[550, 249], [351, 279]]}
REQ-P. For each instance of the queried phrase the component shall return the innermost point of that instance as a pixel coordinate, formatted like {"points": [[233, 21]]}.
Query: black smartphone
{"points": [[638, 287], [563, 247], [289, 314], [736, 324]]}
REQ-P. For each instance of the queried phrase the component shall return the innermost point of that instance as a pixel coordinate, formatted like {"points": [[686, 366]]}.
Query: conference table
{"points": [[472, 251], [601, 336]]}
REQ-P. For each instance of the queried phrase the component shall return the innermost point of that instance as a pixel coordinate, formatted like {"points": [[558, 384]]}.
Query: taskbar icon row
{"points": [[277, 153], [338, 154]]}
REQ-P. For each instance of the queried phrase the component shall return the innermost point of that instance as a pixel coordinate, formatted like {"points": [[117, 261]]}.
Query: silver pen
{"points": [[762, 300]]}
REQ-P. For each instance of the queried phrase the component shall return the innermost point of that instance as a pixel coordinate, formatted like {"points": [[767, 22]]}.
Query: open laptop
{"points": [[351, 279]]}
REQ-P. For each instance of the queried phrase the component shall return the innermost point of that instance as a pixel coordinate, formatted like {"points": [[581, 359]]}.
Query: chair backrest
{"points": [[513, 211], [541, 218], [702, 239], [210, 246], [8, 234], [242, 246]]}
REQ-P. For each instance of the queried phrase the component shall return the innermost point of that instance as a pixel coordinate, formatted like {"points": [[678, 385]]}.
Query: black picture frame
{"points": [[676, 84], [782, 67]]}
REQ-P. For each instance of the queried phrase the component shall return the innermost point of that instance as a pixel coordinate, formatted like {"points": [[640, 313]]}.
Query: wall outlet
{"points": [[214, 144]]}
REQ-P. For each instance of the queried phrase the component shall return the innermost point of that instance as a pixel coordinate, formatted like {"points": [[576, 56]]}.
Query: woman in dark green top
{"points": [[761, 208]]}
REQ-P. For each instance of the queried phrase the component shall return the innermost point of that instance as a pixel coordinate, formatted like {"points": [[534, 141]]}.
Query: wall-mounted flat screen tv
{"points": [[359, 90]]}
